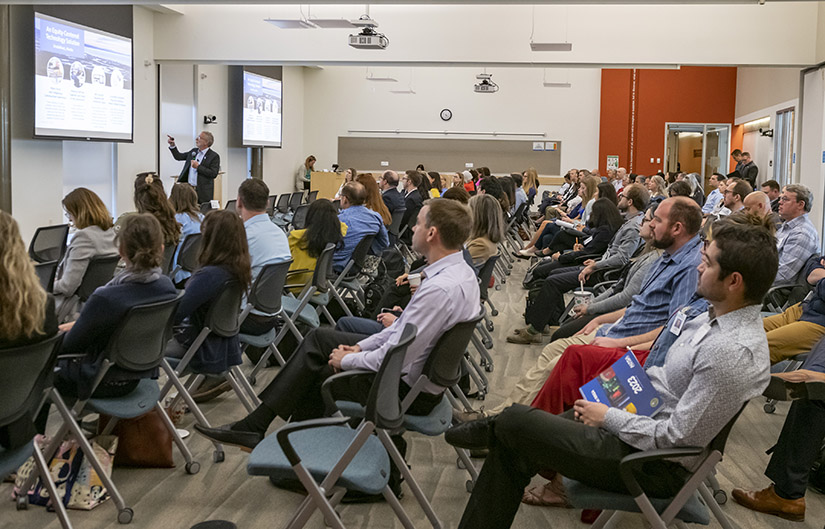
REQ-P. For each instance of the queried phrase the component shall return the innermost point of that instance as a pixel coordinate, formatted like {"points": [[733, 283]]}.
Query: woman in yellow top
{"points": [[323, 227]]}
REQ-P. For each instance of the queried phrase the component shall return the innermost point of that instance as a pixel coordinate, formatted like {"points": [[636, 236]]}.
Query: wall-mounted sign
{"points": [[538, 145], [612, 162]]}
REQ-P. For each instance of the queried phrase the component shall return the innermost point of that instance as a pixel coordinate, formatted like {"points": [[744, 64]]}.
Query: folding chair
{"points": [[136, 346], [49, 243], [312, 196], [794, 363], [99, 272], [190, 247], [659, 513], [337, 204], [168, 256], [266, 296], [270, 205], [395, 227], [230, 206], [299, 219], [283, 215], [330, 458], [205, 208], [347, 280], [222, 319], [443, 368], [45, 273], [295, 200], [26, 378]]}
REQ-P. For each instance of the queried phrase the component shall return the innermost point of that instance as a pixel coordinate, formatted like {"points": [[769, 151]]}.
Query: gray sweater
{"points": [[620, 294], [623, 245], [87, 243], [711, 370]]}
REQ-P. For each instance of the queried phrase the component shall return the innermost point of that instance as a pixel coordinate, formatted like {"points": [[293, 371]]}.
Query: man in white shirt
{"points": [[717, 181], [201, 167]]}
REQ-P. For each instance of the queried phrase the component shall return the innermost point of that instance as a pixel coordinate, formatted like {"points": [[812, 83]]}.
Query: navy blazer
{"points": [[393, 199]]}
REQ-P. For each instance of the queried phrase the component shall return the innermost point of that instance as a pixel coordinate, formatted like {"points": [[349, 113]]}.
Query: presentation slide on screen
{"points": [[83, 81], [261, 110]]}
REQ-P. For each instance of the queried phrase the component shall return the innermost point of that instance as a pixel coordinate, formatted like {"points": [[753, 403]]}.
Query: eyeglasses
{"points": [[787, 199]]}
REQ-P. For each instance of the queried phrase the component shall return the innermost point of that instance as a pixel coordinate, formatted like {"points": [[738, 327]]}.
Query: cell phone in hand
{"points": [[396, 313]]}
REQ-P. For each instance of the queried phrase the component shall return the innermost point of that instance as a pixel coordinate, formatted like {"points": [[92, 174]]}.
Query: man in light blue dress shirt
{"points": [[714, 196], [360, 222]]}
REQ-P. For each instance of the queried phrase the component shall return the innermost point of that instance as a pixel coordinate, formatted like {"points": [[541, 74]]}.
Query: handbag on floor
{"points": [[142, 442]]}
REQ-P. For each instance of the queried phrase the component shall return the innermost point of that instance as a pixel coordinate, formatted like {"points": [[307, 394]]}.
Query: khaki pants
{"points": [[528, 387], [788, 337]]}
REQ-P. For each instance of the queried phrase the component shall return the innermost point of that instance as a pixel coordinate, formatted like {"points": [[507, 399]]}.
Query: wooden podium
{"points": [[326, 183]]}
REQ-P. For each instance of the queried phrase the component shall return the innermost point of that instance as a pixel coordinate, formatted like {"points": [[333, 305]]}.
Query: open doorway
{"points": [[697, 148]]}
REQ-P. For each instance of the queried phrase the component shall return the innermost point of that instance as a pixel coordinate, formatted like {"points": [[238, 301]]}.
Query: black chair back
{"points": [[443, 365], [49, 243], [721, 439], [270, 204], [268, 288], [99, 272], [140, 339], [230, 206], [397, 217], [312, 197], [206, 207], [283, 203], [168, 254], [484, 275], [359, 255], [299, 219], [189, 250], [337, 204], [45, 272], [295, 200], [323, 269], [383, 403], [25, 372], [223, 315]]}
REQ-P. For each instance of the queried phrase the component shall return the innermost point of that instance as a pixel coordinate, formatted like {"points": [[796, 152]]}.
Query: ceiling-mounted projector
{"points": [[485, 84], [368, 38]]}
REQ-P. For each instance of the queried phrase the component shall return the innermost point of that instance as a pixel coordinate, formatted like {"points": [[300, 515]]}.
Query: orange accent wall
{"points": [[737, 140], [692, 94]]}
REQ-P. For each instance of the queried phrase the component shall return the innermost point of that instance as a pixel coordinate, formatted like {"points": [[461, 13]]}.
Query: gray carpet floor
{"points": [[171, 499]]}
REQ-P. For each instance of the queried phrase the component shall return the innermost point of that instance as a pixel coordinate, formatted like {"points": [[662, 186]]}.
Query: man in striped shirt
{"points": [[669, 285], [796, 238]]}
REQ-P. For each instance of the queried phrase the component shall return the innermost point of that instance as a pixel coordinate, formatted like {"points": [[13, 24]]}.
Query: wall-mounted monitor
{"points": [[83, 81], [262, 110]]}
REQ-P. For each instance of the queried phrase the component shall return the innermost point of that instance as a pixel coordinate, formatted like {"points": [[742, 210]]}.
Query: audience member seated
{"points": [[413, 199], [349, 176], [374, 200], [530, 184], [434, 181], [668, 286], [546, 306], [28, 314], [508, 187], [734, 196], [772, 189], [620, 293], [796, 237], [184, 201], [716, 195], [487, 228], [224, 256], [306, 245], [389, 191], [448, 295], [469, 183], [266, 243], [680, 188], [457, 193], [800, 326], [722, 360], [151, 198], [140, 245], [491, 186], [521, 196], [360, 222], [757, 203], [697, 193], [94, 237], [603, 222], [798, 448]]}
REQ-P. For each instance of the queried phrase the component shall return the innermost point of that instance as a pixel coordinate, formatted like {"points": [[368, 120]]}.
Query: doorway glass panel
{"points": [[697, 148]]}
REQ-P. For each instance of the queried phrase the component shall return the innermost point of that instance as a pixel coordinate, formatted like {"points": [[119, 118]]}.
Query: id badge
{"points": [[678, 323]]}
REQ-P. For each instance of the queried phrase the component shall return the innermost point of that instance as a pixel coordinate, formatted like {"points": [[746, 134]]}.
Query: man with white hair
{"points": [[201, 167], [618, 183]]}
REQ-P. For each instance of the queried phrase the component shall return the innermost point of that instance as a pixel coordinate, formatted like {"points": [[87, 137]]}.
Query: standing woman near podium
{"points": [[302, 175]]}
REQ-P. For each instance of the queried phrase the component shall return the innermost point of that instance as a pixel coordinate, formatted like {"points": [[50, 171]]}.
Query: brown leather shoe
{"points": [[767, 501]]}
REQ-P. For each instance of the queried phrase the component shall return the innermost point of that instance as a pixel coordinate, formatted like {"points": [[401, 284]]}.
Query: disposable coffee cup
{"points": [[581, 298], [414, 279]]}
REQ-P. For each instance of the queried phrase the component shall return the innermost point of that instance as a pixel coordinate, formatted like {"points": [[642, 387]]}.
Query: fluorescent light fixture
{"points": [[332, 23], [557, 85], [551, 46], [408, 91], [291, 24], [381, 79]]}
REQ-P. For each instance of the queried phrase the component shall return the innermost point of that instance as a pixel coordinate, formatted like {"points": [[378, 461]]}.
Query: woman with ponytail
{"points": [[140, 245], [151, 198]]}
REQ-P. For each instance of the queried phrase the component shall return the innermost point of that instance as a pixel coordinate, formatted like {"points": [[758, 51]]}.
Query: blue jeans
{"points": [[358, 325]]}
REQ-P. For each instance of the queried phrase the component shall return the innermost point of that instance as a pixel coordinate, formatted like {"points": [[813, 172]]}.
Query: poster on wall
{"points": [[612, 162]]}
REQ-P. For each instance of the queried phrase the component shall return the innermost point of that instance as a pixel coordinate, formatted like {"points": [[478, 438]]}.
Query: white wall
{"points": [[601, 34], [812, 169], [340, 98], [759, 88]]}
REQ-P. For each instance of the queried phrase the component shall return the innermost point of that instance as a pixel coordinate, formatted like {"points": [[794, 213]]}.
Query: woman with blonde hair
{"points": [[184, 202], [374, 200], [28, 313], [349, 176], [531, 184], [487, 230], [657, 187], [94, 238]]}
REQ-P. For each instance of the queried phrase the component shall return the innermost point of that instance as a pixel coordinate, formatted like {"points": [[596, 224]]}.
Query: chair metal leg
{"points": [[242, 380], [486, 359], [399, 511], [464, 457], [456, 397], [411, 482], [476, 375], [717, 511], [46, 477], [603, 519], [239, 390], [192, 466]]}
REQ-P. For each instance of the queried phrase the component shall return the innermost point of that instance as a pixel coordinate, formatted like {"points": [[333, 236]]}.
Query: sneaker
{"points": [[524, 337]]}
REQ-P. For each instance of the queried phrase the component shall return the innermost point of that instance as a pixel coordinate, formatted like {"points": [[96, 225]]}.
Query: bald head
{"points": [[757, 202]]}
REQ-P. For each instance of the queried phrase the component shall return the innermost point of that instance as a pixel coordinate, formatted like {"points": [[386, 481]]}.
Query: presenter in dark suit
{"points": [[202, 165], [389, 191]]}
